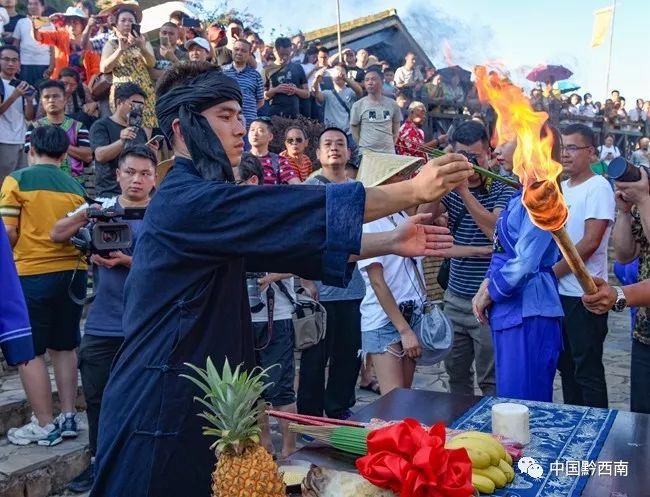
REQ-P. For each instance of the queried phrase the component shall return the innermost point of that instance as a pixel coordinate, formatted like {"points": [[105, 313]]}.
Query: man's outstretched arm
{"points": [[437, 178], [410, 239]]}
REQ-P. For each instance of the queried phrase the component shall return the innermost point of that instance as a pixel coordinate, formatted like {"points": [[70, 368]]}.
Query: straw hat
{"points": [[376, 167], [110, 8], [162, 168]]}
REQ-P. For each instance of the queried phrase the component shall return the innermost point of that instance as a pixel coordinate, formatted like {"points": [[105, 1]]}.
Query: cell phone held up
{"points": [[190, 22], [30, 90], [135, 30]]}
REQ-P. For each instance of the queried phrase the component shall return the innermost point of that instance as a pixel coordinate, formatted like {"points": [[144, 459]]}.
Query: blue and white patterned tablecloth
{"points": [[559, 433]]}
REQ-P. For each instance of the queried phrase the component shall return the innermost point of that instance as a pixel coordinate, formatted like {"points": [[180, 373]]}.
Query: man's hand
{"points": [[603, 300], [441, 175], [410, 344], [168, 53], [311, 288], [116, 258], [637, 192], [415, 239], [462, 189], [22, 88], [481, 302], [128, 133], [284, 88], [621, 204]]}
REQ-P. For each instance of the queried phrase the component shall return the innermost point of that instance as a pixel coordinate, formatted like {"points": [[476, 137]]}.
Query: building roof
{"points": [[366, 31], [319, 34]]}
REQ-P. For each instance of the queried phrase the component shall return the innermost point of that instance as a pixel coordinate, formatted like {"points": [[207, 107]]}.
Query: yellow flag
{"points": [[602, 19]]}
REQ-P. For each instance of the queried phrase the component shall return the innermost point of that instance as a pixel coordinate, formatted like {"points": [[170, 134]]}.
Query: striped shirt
{"points": [[33, 199], [252, 89], [466, 274]]}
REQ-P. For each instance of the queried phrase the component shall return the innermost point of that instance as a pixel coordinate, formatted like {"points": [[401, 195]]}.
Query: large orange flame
{"points": [[532, 161]]}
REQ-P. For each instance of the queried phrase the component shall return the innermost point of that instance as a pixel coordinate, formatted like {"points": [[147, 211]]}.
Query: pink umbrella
{"points": [[544, 73]]}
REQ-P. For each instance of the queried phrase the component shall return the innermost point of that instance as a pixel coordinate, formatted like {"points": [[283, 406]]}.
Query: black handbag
{"points": [[443, 272]]}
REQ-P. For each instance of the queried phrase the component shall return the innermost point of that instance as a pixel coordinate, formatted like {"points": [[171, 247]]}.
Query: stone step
{"points": [[15, 411], [35, 471]]}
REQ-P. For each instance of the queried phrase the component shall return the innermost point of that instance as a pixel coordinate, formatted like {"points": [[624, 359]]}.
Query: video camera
{"points": [[104, 234]]}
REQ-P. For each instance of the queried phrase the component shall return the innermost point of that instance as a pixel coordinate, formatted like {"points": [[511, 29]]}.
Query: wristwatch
{"points": [[621, 301]]}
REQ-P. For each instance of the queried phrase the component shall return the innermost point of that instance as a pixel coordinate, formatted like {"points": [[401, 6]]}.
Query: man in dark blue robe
{"points": [[185, 298]]}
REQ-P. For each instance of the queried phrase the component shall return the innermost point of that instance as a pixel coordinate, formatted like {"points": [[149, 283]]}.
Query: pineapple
{"points": [[244, 468]]}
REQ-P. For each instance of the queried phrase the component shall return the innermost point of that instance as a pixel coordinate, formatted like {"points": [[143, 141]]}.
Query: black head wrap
{"points": [[187, 102]]}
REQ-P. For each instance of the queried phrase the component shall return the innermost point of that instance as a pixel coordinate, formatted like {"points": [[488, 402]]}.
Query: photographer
{"points": [[110, 135], [32, 200], [103, 335], [631, 234], [16, 107]]}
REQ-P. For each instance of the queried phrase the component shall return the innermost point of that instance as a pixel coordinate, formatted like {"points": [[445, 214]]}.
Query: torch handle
{"points": [[574, 260]]}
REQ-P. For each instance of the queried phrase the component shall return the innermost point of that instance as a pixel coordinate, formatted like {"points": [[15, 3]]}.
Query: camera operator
{"points": [[631, 234], [103, 335], [109, 136]]}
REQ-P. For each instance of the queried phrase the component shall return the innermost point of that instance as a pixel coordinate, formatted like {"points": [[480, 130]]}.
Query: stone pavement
{"points": [[616, 358]]}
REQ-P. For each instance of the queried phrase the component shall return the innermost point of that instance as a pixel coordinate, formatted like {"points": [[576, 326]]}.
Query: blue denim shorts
{"points": [[379, 340]]}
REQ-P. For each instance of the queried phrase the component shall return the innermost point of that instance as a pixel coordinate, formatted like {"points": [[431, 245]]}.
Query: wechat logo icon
{"points": [[529, 466]]}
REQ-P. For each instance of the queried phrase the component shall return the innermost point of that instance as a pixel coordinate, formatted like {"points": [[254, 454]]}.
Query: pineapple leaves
{"points": [[230, 401]]}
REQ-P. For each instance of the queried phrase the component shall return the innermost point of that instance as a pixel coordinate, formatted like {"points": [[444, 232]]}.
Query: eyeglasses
{"points": [[291, 141], [572, 149], [8, 59]]}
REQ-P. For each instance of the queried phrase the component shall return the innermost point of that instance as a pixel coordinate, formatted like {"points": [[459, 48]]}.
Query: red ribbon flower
{"points": [[413, 462]]}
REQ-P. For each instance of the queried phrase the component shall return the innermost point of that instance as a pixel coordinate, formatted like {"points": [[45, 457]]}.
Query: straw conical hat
{"points": [[110, 7], [377, 167], [162, 168]]}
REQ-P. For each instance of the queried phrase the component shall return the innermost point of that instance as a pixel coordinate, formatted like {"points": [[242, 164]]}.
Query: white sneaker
{"points": [[34, 433]]}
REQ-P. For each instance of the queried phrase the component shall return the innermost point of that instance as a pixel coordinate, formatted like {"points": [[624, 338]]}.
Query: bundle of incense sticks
{"points": [[313, 420]]}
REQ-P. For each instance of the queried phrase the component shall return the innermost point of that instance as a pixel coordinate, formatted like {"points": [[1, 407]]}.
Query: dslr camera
{"points": [[104, 232], [621, 169]]}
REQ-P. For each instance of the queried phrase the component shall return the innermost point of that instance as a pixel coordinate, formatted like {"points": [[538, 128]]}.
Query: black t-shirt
{"points": [[281, 104], [104, 132], [356, 73], [10, 28]]}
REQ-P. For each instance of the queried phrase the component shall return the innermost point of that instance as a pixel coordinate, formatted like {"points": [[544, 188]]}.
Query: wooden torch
{"points": [[548, 211]]}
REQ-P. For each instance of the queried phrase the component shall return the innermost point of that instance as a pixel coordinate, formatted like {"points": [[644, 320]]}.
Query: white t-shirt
{"points": [[12, 122], [399, 274], [283, 309], [593, 199], [32, 53], [603, 151]]}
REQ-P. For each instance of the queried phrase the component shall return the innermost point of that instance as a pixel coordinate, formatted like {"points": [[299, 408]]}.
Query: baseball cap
{"points": [[202, 42]]}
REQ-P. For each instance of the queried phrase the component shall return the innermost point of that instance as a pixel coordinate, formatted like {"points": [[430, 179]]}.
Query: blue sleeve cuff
{"points": [[18, 350], [345, 208], [499, 288]]}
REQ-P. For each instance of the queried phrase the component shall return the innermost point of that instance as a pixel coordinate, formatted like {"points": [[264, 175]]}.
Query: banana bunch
{"points": [[491, 464]]}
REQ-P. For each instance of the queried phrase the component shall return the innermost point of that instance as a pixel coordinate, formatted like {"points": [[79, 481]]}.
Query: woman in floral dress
{"points": [[129, 58]]}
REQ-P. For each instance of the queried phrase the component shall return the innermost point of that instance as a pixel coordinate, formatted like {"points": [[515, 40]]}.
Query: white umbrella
{"points": [[154, 17]]}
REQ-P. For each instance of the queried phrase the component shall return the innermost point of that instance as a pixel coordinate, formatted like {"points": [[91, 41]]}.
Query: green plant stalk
{"points": [[482, 171]]}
